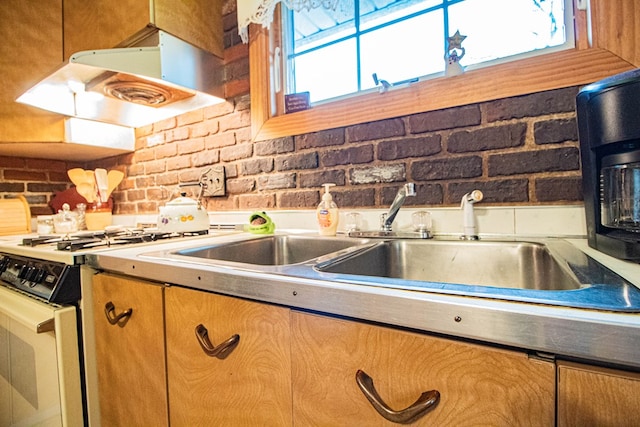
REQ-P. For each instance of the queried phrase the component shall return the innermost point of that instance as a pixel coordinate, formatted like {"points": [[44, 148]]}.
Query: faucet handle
{"points": [[473, 197], [476, 196]]}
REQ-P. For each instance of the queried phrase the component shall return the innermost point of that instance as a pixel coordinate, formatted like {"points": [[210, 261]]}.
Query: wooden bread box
{"points": [[16, 216]]}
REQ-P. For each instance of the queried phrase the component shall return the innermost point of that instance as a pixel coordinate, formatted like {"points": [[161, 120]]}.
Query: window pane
{"points": [[333, 53], [327, 72], [506, 27], [319, 26], [378, 12], [399, 51]]}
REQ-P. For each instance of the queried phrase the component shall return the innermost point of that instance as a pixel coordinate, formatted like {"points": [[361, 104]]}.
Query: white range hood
{"points": [[159, 78]]}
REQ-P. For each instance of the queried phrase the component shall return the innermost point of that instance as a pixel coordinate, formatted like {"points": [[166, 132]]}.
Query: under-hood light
{"points": [[88, 132], [117, 85]]}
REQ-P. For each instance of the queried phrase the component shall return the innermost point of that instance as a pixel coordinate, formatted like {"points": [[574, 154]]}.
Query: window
{"points": [[599, 52], [333, 53]]}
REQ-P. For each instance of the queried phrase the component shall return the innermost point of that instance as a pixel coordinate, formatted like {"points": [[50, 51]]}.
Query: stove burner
{"points": [[88, 240]]}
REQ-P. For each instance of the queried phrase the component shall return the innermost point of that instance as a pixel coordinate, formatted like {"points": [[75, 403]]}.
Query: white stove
{"points": [[41, 313]]}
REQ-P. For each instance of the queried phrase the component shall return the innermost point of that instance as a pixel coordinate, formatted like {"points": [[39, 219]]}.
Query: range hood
{"points": [[158, 78]]}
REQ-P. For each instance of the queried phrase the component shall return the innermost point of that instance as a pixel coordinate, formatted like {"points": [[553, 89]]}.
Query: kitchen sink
{"points": [[519, 265], [272, 250], [544, 271]]}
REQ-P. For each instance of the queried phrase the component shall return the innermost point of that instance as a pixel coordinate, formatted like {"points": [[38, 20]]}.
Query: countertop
{"points": [[611, 338]]}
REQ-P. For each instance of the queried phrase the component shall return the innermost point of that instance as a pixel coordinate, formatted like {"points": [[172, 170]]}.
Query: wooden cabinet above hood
{"points": [[103, 24]]}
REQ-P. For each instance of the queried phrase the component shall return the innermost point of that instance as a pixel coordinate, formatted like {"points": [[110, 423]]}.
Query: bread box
{"points": [[16, 216]]}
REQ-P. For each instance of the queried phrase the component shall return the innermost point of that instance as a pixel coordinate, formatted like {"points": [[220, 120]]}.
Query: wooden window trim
{"points": [[586, 63]]}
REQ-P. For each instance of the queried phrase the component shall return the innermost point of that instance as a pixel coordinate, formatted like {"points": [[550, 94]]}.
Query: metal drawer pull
{"points": [[427, 401], [223, 350], [113, 318]]}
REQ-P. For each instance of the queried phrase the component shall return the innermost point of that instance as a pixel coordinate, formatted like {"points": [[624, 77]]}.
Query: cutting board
{"points": [[15, 216]]}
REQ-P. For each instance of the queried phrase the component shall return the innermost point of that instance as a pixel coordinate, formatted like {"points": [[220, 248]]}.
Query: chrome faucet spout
{"points": [[407, 190]]}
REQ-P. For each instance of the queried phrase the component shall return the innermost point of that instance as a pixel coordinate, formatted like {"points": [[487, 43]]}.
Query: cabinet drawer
{"points": [[477, 385]]}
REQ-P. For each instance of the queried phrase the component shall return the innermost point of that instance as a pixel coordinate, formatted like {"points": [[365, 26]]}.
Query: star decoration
{"points": [[455, 42]]}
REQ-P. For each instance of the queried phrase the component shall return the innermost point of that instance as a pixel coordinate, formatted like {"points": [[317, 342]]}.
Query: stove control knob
{"points": [[22, 271], [31, 274], [39, 275]]}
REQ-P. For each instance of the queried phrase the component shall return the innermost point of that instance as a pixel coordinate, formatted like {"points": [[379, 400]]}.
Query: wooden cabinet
{"points": [[477, 385], [130, 352], [31, 34], [592, 396], [616, 28], [103, 24], [231, 361], [248, 385]]}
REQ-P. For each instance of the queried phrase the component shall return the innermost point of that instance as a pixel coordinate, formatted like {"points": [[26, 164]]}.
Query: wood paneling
{"points": [[252, 386], [31, 34], [130, 358], [478, 385], [591, 396], [616, 28], [103, 24]]}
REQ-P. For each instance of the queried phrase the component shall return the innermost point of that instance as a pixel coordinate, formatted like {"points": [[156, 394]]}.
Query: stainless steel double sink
{"points": [[547, 271]]}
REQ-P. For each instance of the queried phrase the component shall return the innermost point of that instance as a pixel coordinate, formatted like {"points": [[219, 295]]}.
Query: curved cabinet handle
{"points": [[427, 401], [113, 318], [221, 351]]}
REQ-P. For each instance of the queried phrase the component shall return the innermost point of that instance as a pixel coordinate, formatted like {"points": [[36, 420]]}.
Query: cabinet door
{"points": [[103, 24], [130, 353], [250, 386], [31, 47], [477, 385], [591, 396]]}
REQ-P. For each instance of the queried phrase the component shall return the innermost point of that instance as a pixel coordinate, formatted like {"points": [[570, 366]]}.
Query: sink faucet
{"points": [[386, 220], [468, 218]]}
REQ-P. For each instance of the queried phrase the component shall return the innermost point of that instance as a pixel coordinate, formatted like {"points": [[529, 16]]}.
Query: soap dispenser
{"points": [[327, 213]]}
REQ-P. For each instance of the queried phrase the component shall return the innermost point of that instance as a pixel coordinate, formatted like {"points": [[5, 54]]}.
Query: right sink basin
{"points": [[544, 271], [503, 264]]}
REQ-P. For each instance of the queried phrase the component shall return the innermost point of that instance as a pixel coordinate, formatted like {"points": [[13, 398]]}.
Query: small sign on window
{"points": [[296, 102]]}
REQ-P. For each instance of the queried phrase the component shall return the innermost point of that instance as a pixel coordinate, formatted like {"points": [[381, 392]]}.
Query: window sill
{"points": [[553, 71]]}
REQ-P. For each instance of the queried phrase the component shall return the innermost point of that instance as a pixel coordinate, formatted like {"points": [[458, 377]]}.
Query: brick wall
{"points": [[38, 180], [518, 151]]}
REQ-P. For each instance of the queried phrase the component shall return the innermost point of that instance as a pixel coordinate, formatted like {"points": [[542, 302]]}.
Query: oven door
{"points": [[39, 363]]}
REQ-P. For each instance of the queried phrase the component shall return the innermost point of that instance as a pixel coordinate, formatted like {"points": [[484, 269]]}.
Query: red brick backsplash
{"points": [[36, 179], [528, 160]]}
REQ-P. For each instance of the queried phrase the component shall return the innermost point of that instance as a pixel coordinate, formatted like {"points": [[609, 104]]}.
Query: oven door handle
{"points": [[119, 319], [36, 316]]}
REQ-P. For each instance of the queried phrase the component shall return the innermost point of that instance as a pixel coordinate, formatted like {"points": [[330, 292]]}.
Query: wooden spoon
{"points": [[90, 179], [76, 175], [114, 177], [87, 191]]}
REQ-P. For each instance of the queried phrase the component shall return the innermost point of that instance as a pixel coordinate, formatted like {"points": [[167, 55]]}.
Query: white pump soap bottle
{"points": [[327, 213]]}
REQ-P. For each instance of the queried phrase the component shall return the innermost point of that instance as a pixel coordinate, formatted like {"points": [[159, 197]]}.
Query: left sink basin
{"points": [[271, 250]]}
